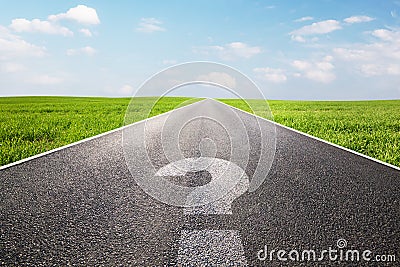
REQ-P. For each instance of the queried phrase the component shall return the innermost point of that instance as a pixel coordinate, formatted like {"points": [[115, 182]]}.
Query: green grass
{"points": [[369, 127], [32, 125]]}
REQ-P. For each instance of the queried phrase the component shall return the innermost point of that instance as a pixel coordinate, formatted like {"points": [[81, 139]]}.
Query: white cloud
{"points": [[86, 32], [353, 54], [322, 27], [11, 67], [126, 90], [230, 51], [169, 62], [319, 71], [87, 50], [304, 19], [371, 69], [380, 57], [321, 76], [46, 80], [324, 66], [149, 25], [243, 50], [393, 69], [219, 78], [393, 13], [37, 25], [298, 38], [272, 75], [358, 19], [378, 69], [301, 64], [387, 35], [12, 46], [81, 14]]}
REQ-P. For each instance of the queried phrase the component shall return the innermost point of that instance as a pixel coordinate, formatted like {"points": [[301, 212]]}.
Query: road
{"points": [[82, 206]]}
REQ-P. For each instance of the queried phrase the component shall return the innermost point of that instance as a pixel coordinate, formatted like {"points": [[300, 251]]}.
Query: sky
{"points": [[311, 50]]}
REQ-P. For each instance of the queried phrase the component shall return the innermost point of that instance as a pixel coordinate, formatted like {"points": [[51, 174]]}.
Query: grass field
{"points": [[369, 127], [31, 125]]}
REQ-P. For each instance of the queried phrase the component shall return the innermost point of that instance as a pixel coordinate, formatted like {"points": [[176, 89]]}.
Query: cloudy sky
{"points": [[306, 49]]}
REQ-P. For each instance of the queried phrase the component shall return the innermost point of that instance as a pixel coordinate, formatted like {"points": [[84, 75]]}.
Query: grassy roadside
{"points": [[32, 125], [369, 127]]}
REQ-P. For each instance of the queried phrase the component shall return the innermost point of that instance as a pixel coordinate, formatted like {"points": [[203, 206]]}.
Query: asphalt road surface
{"points": [[81, 206]]}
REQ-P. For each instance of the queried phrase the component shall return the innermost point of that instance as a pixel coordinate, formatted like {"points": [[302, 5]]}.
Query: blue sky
{"points": [[292, 49]]}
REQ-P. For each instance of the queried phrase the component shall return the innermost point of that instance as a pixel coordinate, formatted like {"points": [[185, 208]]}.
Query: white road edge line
{"points": [[88, 139], [316, 138], [121, 128]]}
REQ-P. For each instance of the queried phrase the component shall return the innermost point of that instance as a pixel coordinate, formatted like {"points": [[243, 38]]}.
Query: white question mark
{"points": [[223, 173]]}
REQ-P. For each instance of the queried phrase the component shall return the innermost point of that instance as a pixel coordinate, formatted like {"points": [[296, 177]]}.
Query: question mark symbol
{"points": [[228, 182]]}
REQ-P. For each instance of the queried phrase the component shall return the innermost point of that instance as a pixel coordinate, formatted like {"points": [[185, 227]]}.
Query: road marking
{"points": [[210, 247], [228, 182], [223, 205]]}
